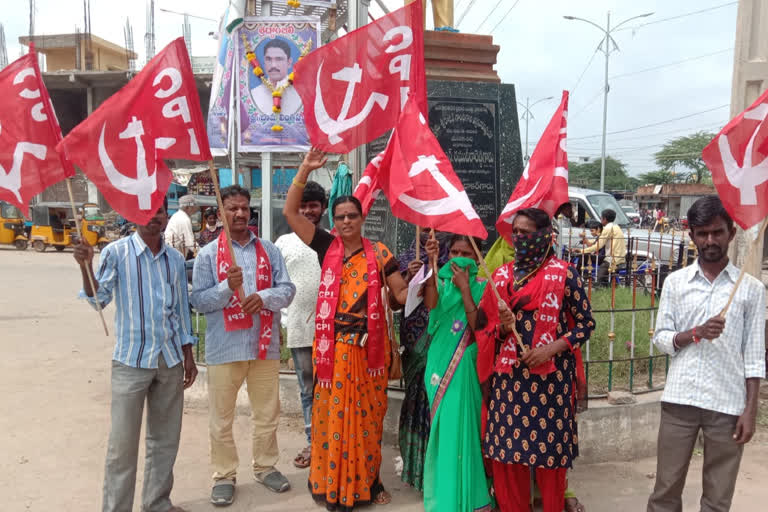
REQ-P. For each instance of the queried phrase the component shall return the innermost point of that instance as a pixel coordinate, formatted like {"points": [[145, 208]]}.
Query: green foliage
{"points": [[683, 155], [587, 175], [660, 177]]}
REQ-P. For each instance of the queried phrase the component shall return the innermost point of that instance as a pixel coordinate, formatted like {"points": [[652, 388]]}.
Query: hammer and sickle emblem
{"points": [[551, 301], [333, 127]]}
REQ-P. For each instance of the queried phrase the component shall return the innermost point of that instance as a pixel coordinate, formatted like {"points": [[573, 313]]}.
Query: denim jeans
{"points": [[302, 361]]}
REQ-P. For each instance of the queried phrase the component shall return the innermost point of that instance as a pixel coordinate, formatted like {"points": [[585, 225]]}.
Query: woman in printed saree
{"points": [[351, 350], [526, 358], [454, 475], [414, 413]]}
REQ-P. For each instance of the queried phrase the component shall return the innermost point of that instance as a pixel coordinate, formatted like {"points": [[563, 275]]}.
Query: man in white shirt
{"points": [[715, 367], [612, 240], [179, 233], [276, 65], [304, 270]]}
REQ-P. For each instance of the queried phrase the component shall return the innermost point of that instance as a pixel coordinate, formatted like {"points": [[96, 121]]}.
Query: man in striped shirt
{"points": [[716, 363], [234, 350], [152, 360]]}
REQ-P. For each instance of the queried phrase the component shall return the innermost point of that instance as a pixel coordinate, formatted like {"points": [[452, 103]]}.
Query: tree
{"points": [[685, 153], [587, 175], [660, 177]]}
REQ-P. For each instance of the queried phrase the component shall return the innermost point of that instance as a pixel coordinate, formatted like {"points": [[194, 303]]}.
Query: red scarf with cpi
{"points": [[328, 300], [234, 318], [543, 292]]}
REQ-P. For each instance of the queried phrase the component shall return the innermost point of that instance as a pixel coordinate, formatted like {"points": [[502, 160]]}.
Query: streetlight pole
{"points": [[527, 116], [605, 46]]}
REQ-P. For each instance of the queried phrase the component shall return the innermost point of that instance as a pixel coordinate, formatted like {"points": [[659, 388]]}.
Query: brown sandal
{"points": [[574, 505], [383, 498], [303, 459]]}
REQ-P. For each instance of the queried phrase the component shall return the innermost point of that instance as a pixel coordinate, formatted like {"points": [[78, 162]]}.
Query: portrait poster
{"points": [[277, 44]]}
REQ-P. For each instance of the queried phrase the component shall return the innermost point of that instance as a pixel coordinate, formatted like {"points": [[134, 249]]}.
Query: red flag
{"points": [[121, 146], [354, 88], [738, 160], [368, 188], [29, 132], [419, 180], [544, 183]]}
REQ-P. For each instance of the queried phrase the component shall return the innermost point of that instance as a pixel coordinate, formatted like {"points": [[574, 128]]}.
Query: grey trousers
{"points": [[680, 425], [163, 390]]}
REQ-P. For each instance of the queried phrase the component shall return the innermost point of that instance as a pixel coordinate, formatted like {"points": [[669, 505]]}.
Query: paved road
{"points": [[55, 401]]}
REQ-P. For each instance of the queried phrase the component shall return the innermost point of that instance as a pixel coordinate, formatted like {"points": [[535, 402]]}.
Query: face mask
{"points": [[531, 249]]}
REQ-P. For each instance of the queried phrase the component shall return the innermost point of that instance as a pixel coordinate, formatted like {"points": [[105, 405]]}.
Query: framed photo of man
{"points": [[270, 115]]}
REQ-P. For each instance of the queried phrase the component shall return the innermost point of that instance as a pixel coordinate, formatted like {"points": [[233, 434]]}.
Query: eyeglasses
{"points": [[342, 217]]}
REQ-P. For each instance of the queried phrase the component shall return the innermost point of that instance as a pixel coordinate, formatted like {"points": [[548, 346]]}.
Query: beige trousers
{"points": [[224, 381], [442, 12]]}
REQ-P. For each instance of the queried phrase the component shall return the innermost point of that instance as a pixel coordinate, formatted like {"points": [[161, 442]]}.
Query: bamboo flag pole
{"points": [[751, 254], [87, 268], [418, 243], [215, 179]]}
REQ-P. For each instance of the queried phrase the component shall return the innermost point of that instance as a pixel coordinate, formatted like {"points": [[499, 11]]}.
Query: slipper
{"points": [[273, 480], [383, 498], [574, 505], [223, 492], [303, 459]]}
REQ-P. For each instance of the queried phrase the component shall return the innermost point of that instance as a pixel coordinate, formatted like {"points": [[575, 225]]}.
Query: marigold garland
{"points": [[277, 92], [293, 3]]}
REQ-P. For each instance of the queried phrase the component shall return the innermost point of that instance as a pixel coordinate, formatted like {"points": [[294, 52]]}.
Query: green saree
{"points": [[454, 476]]}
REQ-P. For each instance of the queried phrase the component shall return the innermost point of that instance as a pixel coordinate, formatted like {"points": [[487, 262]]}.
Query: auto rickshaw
{"points": [[12, 227], [93, 225], [52, 226]]}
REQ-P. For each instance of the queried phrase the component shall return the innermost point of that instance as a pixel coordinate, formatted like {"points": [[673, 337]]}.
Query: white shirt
{"points": [[304, 270], [179, 234], [290, 102], [711, 374]]}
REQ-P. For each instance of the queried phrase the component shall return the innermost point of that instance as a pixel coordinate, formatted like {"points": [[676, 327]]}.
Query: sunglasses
{"points": [[342, 217]]}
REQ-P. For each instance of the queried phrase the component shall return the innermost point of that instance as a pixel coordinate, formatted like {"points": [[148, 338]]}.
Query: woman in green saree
{"points": [[454, 449]]}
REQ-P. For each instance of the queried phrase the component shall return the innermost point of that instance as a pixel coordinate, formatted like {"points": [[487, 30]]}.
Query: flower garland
{"points": [[277, 92], [293, 3]]}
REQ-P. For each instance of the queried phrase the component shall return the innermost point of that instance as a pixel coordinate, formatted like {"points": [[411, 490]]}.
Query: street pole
{"points": [[605, 100], [607, 51]]}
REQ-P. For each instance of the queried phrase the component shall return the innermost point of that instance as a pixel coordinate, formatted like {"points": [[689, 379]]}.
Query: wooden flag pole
{"points": [[753, 249], [88, 269], [418, 243], [215, 179], [434, 264], [511, 327]]}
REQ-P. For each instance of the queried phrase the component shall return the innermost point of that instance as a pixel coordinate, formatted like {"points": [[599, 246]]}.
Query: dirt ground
{"points": [[55, 400]]}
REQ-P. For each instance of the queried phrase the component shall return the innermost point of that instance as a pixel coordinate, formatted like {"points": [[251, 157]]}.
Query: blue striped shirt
{"points": [[209, 296], [151, 299]]}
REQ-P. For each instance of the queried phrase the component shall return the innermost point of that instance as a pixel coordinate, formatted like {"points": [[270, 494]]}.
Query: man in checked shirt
{"points": [[715, 367]]}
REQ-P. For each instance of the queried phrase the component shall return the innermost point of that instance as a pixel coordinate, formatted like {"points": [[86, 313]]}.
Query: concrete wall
{"points": [[606, 432]]}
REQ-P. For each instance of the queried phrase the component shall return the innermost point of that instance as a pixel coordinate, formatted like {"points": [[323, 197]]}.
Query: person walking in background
{"points": [[531, 404], [304, 271], [454, 475], [715, 367], [352, 349], [152, 361], [414, 413], [612, 240], [179, 233], [242, 343], [211, 228]]}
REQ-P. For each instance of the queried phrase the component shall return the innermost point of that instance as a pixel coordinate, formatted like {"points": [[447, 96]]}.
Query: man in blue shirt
{"points": [[152, 360], [238, 293]]}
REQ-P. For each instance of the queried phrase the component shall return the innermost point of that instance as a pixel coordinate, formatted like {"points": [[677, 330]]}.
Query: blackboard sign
{"points": [[468, 133]]}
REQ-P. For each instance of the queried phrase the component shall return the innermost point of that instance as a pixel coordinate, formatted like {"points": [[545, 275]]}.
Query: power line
{"points": [[469, 6], [654, 124], [661, 66], [490, 13], [673, 132], [586, 105], [677, 17], [589, 63], [504, 17]]}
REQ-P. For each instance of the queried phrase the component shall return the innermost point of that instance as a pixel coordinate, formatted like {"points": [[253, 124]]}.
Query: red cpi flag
{"points": [[419, 180], [29, 132], [738, 160], [354, 88], [368, 188], [544, 183], [121, 146]]}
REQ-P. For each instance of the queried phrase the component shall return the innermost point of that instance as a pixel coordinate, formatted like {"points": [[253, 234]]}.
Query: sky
{"points": [[541, 54]]}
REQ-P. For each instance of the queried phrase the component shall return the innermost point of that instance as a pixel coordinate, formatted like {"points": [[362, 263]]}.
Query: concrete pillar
{"points": [[750, 79]]}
